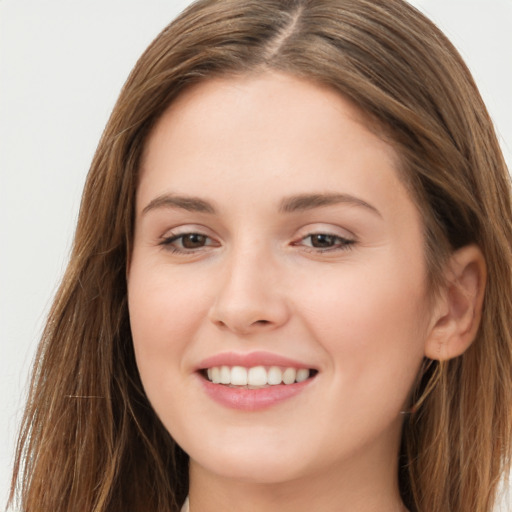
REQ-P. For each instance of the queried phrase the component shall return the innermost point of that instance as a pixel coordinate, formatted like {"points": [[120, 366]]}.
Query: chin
{"points": [[258, 463], [260, 471]]}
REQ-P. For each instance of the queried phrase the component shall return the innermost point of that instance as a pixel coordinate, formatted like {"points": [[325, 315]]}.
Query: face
{"points": [[277, 286]]}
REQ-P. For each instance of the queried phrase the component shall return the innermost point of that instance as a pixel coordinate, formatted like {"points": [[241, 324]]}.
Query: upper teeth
{"points": [[256, 375]]}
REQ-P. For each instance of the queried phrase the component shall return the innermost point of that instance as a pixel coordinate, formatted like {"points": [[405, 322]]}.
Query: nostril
{"points": [[262, 322]]}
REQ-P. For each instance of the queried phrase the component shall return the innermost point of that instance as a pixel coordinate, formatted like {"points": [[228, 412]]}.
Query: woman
{"points": [[290, 286]]}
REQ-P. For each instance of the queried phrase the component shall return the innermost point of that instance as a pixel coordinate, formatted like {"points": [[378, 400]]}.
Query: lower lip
{"points": [[244, 399]]}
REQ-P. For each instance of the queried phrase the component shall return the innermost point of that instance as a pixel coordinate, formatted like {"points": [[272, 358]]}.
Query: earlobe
{"points": [[459, 305]]}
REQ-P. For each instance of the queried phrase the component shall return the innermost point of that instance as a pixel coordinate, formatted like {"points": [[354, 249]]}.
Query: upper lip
{"points": [[250, 359]]}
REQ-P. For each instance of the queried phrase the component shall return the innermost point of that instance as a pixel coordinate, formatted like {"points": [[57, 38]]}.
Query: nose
{"points": [[250, 296]]}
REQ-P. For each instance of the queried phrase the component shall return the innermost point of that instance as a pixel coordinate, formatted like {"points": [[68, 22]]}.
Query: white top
{"points": [[185, 507]]}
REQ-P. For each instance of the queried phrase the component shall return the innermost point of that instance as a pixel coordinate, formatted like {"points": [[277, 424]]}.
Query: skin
{"points": [[257, 280]]}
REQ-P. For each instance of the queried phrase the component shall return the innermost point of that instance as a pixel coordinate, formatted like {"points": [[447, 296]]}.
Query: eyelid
{"points": [[183, 229], [325, 229], [342, 244], [174, 234], [345, 240]]}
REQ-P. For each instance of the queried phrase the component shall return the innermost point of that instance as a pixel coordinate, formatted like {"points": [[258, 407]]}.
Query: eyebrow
{"points": [[296, 203], [189, 203], [303, 202]]}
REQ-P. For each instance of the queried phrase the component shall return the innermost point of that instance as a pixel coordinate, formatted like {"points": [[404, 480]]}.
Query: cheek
{"points": [[164, 317], [372, 323]]}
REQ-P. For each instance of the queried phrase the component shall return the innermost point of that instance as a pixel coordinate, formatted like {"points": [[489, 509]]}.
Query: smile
{"points": [[254, 381], [257, 377]]}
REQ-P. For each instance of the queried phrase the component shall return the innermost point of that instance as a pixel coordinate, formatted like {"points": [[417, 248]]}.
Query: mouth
{"points": [[254, 381], [256, 377]]}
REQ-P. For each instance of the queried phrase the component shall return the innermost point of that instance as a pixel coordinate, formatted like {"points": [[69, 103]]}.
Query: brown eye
{"points": [[188, 243], [323, 241], [193, 241]]}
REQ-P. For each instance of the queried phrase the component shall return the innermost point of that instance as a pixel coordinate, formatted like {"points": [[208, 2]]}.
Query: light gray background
{"points": [[62, 64]]}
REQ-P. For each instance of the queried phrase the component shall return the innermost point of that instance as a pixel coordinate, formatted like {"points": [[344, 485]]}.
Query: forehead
{"points": [[231, 122]]}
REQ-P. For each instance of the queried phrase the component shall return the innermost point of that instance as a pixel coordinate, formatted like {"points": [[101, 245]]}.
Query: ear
{"points": [[458, 308]]}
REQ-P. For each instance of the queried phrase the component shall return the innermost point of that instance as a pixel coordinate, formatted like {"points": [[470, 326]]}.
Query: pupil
{"points": [[322, 240], [193, 241]]}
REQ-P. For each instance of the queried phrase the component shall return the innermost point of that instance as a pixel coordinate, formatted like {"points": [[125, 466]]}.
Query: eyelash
{"points": [[339, 243], [169, 241]]}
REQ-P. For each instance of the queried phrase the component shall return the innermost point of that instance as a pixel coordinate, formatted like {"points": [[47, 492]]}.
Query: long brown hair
{"points": [[90, 441]]}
